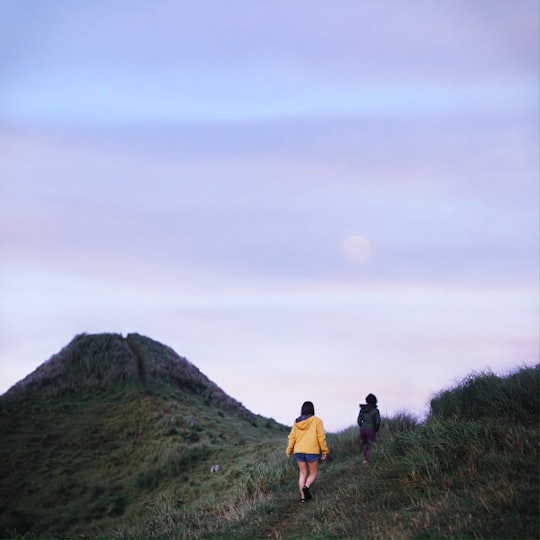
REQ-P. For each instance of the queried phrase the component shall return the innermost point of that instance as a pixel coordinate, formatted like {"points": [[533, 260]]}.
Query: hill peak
{"points": [[96, 361]]}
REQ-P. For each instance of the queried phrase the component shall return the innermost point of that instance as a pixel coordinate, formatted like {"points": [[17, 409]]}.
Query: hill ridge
{"points": [[96, 361]]}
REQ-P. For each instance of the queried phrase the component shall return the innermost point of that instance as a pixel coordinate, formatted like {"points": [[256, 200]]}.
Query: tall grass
{"points": [[97, 361], [456, 475], [249, 493], [451, 476], [169, 460], [469, 476], [86, 363], [487, 395], [136, 464]]}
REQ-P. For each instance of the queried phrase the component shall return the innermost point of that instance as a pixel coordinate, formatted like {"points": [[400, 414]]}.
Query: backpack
{"points": [[360, 419]]}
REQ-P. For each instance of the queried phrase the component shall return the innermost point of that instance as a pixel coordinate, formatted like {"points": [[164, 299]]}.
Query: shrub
{"points": [[485, 395]]}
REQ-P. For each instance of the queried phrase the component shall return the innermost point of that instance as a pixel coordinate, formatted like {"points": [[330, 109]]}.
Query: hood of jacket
{"points": [[304, 421], [366, 407]]}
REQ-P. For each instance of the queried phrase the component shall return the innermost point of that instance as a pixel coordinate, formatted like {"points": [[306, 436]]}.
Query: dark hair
{"points": [[371, 399], [308, 408]]}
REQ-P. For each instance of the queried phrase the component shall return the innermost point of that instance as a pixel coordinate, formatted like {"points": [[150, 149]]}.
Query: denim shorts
{"points": [[306, 458]]}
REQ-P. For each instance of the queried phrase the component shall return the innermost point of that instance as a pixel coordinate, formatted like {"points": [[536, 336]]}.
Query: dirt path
{"points": [[285, 518], [291, 515]]}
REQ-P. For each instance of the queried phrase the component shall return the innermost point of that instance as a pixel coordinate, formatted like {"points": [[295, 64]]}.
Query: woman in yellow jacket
{"points": [[307, 440]]}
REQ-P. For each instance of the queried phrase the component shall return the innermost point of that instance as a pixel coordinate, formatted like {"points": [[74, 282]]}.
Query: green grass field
{"points": [[102, 445]]}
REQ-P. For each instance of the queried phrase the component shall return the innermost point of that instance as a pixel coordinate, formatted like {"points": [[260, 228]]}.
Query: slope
{"points": [[108, 424], [469, 471]]}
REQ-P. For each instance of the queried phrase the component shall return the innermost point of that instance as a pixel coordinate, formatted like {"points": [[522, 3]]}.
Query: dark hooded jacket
{"points": [[369, 417]]}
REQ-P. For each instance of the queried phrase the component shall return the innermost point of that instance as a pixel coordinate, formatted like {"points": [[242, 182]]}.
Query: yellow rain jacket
{"points": [[307, 436]]}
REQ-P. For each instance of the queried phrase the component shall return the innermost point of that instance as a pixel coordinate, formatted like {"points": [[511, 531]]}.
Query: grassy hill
{"points": [[109, 424], [115, 437]]}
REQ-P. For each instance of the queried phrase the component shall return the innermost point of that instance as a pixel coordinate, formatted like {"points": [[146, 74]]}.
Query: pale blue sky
{"points": [[194, 171]]}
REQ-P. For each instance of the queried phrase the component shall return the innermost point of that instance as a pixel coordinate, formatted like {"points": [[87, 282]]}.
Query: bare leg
{"points": [[313, 472], [302, 473]]}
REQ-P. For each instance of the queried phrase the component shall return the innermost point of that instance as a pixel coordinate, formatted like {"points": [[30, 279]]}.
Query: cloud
{"points": [[191, 171], [187, 62]]}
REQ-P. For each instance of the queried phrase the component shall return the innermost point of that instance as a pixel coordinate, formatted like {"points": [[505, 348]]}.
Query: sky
{"points": [[308, 200]]}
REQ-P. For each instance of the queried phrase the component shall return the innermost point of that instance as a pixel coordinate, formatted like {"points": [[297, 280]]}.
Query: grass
{"points": [[131, 459], [448, 477]]}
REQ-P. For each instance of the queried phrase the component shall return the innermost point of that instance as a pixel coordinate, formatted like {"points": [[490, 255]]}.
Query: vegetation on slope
{"points": [[470, 475], [87, 441], [93, 362], [130, 457]]}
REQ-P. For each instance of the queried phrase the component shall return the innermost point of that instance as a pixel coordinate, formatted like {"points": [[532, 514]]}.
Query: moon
{"points": [[356, 249]]}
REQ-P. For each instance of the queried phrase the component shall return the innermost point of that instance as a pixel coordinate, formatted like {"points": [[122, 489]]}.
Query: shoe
{"points": [[302, 500], [307, 494], [364, 462]]}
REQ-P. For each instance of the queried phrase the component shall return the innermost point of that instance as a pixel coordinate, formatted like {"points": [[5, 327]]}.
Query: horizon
{"points": [[308, 202], [418, 415]]}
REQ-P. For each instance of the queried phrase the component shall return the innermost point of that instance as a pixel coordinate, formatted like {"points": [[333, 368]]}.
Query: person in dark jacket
{"points": [[369, 421]]}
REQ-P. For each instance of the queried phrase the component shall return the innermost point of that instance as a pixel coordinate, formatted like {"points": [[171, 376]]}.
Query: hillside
{"points": [[115, 437], [104, 426], [99, 362]]}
